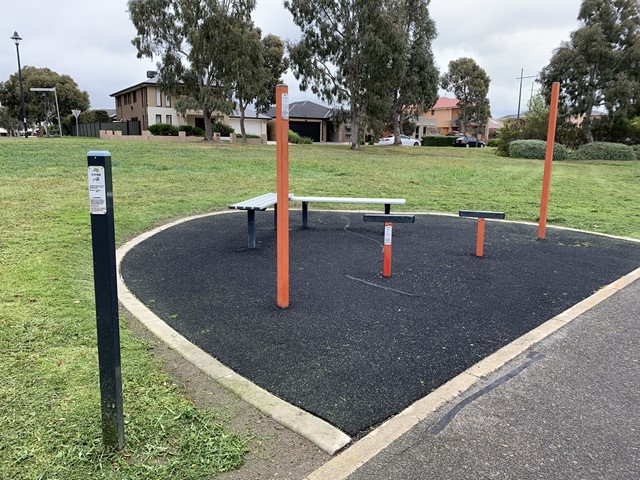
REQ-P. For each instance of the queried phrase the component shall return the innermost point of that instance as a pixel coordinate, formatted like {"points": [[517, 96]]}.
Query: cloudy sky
{"points": [[90, 40]]}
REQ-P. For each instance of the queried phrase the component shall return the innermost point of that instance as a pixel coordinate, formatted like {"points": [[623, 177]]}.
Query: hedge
{"points": [[295, 138], [604, 151], [191, 131], [437, 141], [536, 149], [163, 129], [222, 128]]}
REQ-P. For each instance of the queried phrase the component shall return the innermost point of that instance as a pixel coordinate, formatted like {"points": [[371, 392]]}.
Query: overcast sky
{"points": [[90, 40]]}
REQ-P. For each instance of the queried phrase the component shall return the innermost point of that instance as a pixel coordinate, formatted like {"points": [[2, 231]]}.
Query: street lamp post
{"points": [[16, 39]]}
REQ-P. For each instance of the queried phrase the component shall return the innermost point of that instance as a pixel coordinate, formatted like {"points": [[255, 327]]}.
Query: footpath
{"points": [[567, 408]]}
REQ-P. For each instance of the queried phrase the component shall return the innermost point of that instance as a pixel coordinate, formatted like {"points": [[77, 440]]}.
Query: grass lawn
{"points": [[50, 416]]}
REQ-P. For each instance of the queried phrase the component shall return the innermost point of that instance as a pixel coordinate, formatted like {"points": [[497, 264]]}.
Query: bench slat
{"points": [[386, 201], [257, 203]]}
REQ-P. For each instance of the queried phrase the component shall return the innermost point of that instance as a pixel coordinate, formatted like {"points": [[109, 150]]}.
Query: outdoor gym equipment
{"points": [[388, 221], [480, 216]]}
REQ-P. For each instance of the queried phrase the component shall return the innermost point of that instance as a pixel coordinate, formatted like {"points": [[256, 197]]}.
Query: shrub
{"points": [[163, 129], [636, 148], [222, 128], [437, 141], [191, 131], [306, 140], [293, 137], [510, 131], [493, 142], [536, 149], [604, 151]]}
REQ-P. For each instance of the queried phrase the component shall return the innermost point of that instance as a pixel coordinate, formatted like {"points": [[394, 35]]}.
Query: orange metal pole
{"points": [[282, 192], [546, 180], [386, 258], [480, 238]]}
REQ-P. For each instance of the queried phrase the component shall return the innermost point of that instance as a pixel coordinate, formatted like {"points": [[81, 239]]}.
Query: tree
{"points": [[600, 65], [200, 46], [470, 84], [40, 106], [415, 73], [345, 55], [11, 124], [260, 70]]}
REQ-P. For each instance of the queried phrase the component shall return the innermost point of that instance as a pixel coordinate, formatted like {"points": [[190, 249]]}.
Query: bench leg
{"points": [[387, 208], [305, 214], [251, 229]]}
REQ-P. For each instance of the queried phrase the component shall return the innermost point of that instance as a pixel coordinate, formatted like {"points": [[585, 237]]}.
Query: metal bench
{"points": [[387, 202], [252, 205]]}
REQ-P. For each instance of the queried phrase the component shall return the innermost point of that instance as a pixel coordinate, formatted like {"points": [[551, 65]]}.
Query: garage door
{"points": [[306, 129]]}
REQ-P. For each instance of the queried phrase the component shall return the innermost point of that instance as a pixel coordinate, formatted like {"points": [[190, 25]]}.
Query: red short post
{"points": [[386, 261], [480, 238]]}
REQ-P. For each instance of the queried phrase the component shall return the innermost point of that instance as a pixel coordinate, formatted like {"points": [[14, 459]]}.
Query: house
{"points": [[440, 119], [309, 119], [148, 104]]}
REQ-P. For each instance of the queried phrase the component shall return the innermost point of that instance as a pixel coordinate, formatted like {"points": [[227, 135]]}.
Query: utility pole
{"points": [[521, 77]]}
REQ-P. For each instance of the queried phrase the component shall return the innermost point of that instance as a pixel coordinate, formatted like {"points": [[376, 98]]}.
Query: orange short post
{"points": [[282, 191], [546, 180], [480, 238], [386, 260]]}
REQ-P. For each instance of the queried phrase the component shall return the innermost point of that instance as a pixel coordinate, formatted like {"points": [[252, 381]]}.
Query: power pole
{"points": [[521, 77]]}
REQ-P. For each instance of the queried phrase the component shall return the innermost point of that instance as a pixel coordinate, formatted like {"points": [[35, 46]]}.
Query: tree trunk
{"points": [[243, 107], [586, 127], [397, 127], [208, 128], [355, 129]]}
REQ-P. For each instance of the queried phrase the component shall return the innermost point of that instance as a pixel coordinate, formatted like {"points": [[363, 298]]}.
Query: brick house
{"points": [[146, 103]]}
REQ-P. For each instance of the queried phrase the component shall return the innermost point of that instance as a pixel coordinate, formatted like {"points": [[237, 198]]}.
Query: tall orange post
{"points": [[546, 180], [480, 238], [282, 192]]}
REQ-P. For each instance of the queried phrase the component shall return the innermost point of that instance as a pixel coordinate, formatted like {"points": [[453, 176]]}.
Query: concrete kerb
{"points": [[321, 433]]}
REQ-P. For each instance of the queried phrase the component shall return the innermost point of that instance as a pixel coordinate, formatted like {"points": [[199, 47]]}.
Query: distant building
{"points": [[309, 119], [148, 104]]}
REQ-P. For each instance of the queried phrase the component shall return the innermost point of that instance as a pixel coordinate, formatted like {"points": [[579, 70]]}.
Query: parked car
{"points": [[406, 141], [455, 133], [468, 142]]}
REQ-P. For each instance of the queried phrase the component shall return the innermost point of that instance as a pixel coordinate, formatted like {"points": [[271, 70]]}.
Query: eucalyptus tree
{"points": [[198, 44], [415, 73], [600, 65], [470, 84], [345, 55], [260, 69]]}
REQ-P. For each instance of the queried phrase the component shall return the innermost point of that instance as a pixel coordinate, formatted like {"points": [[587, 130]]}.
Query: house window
{"points": [[167, 101], [117, 101], [158, 119], [158, 98], [134, 97], [433, 112], [169, 120]]}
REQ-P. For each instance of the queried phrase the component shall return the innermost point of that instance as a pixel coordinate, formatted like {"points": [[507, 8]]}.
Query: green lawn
{"points": [[49, 421]]}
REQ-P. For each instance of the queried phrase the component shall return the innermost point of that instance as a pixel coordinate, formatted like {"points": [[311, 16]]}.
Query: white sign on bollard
{"points": [[97, 191]]}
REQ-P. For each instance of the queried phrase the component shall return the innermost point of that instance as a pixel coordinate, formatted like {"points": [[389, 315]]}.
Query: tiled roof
{"points": [[304, 109], [445, 102]]}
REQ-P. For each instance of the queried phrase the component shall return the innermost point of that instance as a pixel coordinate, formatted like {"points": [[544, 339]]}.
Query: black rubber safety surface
{"points": [[355, 348]]}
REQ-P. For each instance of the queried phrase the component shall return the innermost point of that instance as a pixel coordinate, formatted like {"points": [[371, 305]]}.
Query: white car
{"points": [[406, 141]]}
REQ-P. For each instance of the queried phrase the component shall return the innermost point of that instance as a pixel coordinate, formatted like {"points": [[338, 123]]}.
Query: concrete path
{"points": [[569, 407]]}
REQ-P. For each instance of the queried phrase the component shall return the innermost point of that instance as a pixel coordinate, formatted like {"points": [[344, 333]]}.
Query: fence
{"points": [[130, 127]]}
